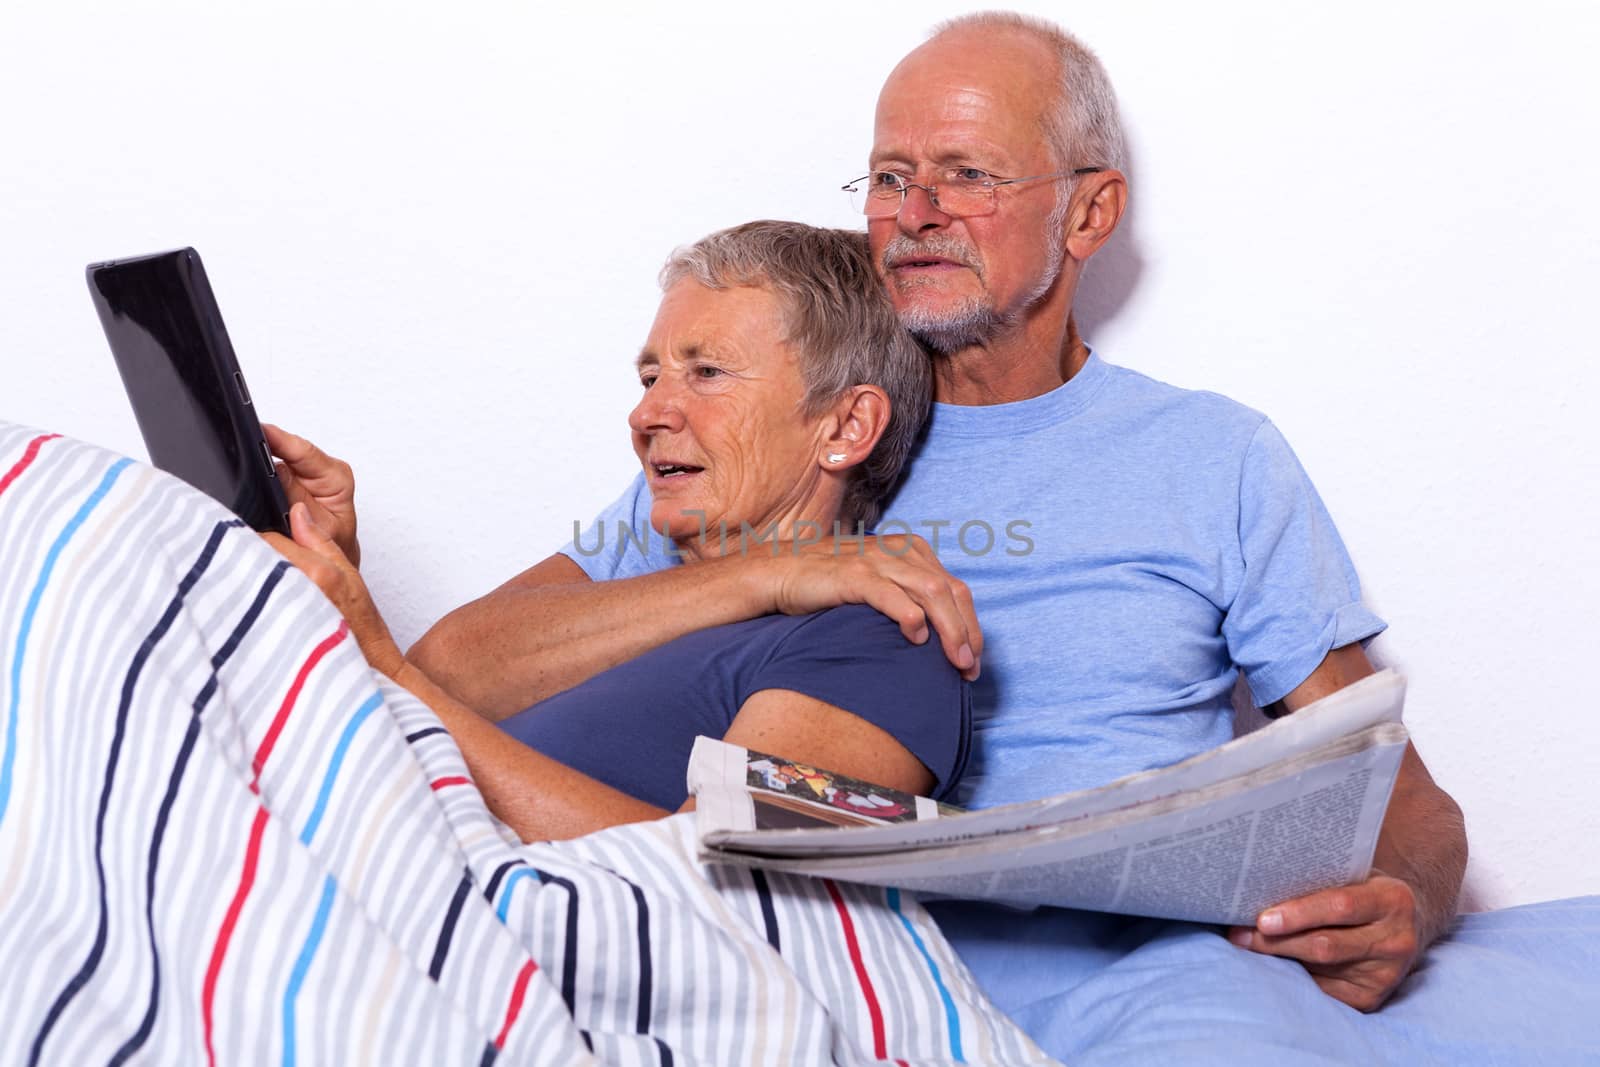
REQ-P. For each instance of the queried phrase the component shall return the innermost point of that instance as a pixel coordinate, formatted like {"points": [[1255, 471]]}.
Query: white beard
{"points": [[974, 322]]}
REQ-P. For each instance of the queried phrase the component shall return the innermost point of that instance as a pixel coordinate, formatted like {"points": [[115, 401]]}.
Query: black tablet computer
{"points": [[188, 393]]}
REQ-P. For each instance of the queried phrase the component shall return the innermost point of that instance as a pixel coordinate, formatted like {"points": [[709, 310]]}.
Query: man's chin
{"points": [[949, 330]]}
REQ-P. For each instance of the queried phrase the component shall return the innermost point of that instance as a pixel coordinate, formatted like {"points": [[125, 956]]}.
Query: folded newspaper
{"points": [[1287, 810]]}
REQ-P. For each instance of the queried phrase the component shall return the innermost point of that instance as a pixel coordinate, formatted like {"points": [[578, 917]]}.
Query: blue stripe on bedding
{"points": [[28, 612], [506, 893], [952, 1020], [130, 682], [334, 763], [302, 964]]}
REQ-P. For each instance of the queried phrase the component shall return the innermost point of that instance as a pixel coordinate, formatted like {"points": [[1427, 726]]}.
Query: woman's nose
{"points": [[657, 411]]}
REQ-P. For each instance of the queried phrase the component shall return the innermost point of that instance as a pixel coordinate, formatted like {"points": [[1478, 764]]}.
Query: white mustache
{"points": [[901, 248]]}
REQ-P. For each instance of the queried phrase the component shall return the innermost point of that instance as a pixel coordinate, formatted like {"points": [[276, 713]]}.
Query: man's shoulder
{"points": [[1188, 413], [1154, 392], [620, 542]]}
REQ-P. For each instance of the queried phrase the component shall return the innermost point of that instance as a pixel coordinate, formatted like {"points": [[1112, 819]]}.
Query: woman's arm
{"points": [[543, 799], [538, 797], [807, 730], [550, 627]]}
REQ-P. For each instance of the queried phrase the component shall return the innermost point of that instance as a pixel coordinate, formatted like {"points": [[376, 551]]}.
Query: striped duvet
{"points": [[224, 839]]}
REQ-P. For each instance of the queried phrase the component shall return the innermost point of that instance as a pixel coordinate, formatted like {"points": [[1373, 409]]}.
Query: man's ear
{"points": [[858, 420], [1098, 203]]}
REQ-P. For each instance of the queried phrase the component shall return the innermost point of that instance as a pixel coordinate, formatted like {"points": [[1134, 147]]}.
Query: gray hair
{"points": [[1083, 127], [840, 319]]}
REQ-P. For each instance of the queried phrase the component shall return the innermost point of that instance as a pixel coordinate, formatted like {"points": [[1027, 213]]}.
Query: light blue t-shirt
{"points": [[1129, 546]]}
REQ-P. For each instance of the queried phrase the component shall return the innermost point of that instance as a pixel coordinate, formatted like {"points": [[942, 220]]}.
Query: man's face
{"points": [[965, 100]]}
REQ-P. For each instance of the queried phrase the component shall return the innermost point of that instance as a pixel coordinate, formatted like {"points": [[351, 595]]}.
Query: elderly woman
{"points": [[228, 837], [780, 400]]}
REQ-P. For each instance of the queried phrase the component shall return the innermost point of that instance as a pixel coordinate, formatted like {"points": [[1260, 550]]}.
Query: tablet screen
{"points": [[188, 394]]}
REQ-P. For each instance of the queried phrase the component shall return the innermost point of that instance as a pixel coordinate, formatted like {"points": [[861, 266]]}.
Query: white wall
{"points": [[434, 233]]}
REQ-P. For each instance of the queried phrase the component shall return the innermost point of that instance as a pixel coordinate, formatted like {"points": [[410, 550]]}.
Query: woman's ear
{"points": [[858, 420]]}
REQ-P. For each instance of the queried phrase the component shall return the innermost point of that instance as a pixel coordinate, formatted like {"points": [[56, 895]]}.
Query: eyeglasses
{"points": [[959, 191]]}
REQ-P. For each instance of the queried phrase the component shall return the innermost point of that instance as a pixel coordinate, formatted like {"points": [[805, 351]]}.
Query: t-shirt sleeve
{"points": [[1298, 596], [856, 659], [619, 543]]}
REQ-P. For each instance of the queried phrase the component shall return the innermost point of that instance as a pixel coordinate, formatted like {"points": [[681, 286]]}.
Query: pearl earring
{"points": [[836, 457]]}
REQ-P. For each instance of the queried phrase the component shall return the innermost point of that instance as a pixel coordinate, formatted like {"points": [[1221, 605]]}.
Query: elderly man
{"points": [[1171, 539]]}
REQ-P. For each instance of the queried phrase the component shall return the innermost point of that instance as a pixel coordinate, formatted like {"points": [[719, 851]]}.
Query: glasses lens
{"points": [[878, 195], [874, 199], [963, 196]]}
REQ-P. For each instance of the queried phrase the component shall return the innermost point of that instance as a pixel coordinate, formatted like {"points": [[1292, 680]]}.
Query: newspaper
{"points": [[1290, 809]]}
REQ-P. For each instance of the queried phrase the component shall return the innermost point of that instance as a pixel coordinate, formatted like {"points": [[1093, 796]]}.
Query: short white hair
{"points": [[840, 319], [1083, 127]]}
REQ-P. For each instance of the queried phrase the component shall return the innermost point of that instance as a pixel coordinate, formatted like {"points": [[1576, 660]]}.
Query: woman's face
{"points": [[720, 429]]}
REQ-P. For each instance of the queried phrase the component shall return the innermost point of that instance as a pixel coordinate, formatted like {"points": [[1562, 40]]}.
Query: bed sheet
{"points": [[1518, 986], [223, 838]]}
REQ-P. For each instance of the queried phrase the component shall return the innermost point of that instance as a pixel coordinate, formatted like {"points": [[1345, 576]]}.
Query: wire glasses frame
{"points": [[876, 197]]}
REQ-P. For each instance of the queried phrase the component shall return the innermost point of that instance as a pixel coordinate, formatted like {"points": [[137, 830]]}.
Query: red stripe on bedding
{"points": [[247, 878], [288, 702], [29, 454], [514, 1009], [445, 783], [879, 1044]]}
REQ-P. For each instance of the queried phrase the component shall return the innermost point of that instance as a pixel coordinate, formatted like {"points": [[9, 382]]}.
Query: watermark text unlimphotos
{"points": [[973, 537]]}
